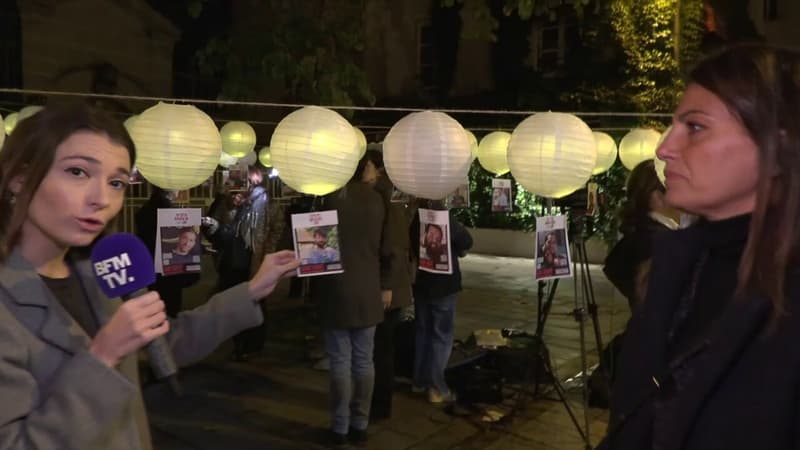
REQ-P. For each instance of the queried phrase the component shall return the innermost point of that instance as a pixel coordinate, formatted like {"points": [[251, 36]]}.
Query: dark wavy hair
{"points": [[760, 85], [642, 182], [30, 150]]}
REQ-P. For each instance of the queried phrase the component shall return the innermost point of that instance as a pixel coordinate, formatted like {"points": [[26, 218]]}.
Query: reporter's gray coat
{"points": [[56, 395]]}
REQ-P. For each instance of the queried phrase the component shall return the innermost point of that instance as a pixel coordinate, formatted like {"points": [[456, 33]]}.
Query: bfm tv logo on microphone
{"points": [[114, 270]]}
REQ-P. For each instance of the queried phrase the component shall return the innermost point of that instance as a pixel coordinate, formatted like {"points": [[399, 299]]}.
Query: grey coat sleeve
{"points": [[196, 333], [79, 410]]}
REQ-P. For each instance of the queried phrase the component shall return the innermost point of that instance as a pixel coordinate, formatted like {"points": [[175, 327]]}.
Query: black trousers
{"points": [[250, 340], [384, 364]]}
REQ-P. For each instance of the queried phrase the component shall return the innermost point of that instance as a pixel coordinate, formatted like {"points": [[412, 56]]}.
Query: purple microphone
{"points": [[124, 268], [123, 265]]}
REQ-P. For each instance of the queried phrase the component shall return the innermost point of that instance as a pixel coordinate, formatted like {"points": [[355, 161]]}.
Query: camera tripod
{"points": [[584, 302]]}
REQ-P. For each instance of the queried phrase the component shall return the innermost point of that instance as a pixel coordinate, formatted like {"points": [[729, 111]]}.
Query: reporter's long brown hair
{"points": [[761, 86], [28, 153]]}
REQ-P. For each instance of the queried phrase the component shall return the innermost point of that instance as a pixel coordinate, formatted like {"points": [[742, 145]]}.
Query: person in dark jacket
{"points": [[351, 304], [434, 311], [397, 222], [643, 215], [146, 223], [710, 359], [236, 233]]}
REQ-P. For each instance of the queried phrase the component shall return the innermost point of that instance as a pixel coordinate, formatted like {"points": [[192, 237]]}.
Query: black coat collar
{"points": [[645, 368]]}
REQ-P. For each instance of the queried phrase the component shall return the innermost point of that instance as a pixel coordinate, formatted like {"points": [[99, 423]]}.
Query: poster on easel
{"points": [[178, 247], [501, 195], [316, 243], [591, 199], [552, 254], [435, 255], [459, 199]]}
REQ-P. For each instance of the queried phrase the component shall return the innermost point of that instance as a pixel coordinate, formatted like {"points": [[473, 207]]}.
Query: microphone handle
{"points": [[161, 360]]}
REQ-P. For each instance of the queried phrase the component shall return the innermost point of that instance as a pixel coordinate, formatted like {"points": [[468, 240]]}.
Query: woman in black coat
{"points": [[711, 359], [644, 214]]}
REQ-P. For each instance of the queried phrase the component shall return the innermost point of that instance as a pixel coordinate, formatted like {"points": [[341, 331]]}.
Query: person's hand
{"points": [[210, 224], [274, 267], [135, 323], [386, 299]]}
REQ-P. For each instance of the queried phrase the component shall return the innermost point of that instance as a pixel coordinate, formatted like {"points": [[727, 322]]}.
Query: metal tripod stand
{"points": [[584, 302]]}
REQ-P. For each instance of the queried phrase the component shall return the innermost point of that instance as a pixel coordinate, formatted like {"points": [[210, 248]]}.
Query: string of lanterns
{"points": [[427, 153]]}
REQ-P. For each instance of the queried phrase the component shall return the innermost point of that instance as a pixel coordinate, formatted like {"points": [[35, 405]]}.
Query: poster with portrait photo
{"points": [[552, 248], [591, 199], [502, 201], [316, 243], [434, 241], [178, 242], [460, 198]]}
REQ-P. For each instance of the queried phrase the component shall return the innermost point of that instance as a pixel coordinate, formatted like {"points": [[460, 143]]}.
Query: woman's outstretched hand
{"points": [[274, 267]]}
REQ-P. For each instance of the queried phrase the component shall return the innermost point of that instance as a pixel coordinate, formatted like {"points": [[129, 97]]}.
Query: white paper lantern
{"points": [[2, 132], [238, 138], [552, 154], [606, 152], [128, 124], [10, 122], [28, 111], [637, 146], [226, 160], [659, 164], [265, 156], [249, 159], [362, 142], [473, 144], [315, 150], [427, 154], [492, 152], [178, 146]]}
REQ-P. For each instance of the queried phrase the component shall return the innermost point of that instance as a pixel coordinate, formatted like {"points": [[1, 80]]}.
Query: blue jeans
{"points": [[434, 341], [352, 376]]}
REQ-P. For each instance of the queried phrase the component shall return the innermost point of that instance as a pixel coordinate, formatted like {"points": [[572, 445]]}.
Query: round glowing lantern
{"points": [[493, 151], [2, 132], [552, 154], [10, 122], [315, 150], [265, 156], [659, 164], [473, 143], [178, 146], [362, 142], [606, 152], [427, 154], [249, 159], [226, 160], [238, 138], [637, 146], [128, 124], [29, 111]]}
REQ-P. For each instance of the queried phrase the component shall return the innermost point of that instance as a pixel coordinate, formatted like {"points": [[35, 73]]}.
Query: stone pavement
{"points": [[277, 401]]}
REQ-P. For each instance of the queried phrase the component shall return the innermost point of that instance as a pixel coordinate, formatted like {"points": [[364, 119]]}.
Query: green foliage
{"points": [[637, 60], [486, 25], [611, 189], [310, 54], [655, 52]]}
